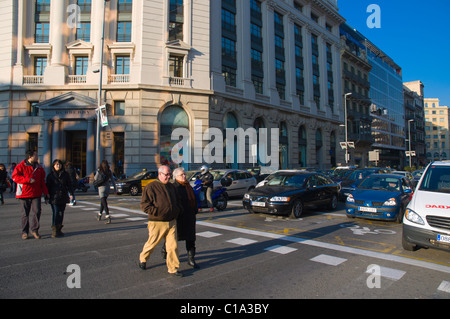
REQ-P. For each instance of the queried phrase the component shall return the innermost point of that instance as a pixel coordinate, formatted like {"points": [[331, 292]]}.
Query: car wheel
{"points": [[134, 190], [333, 202], [407, 245], [297, 210]]}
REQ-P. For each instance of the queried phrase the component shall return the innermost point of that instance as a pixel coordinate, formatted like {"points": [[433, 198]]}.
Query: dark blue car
{"points": [[380, 196]]}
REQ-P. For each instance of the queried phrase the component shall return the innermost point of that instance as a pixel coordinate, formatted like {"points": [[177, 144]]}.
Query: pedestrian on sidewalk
{"points": [[73, 178], [187, 219], [161, 202], [102, 180], [3, 181], [60, 189], [13, 184], [30, 179]]}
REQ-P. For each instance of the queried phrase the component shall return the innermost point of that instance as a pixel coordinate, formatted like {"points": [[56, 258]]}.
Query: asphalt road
{"points": [[242, 257]]}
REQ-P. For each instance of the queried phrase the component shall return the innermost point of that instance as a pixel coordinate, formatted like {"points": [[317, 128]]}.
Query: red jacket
{"points": [[22, 175]]}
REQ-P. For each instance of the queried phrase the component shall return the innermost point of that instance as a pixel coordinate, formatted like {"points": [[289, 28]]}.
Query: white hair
{"points": [[161, 169], [177, 171]]}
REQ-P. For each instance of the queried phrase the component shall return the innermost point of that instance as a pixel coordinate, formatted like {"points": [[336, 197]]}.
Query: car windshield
{"points": [[341, 172], [436, 179], [138, 174], [217, 174], [360, 174], [417, 173], [287, 180], [385, 183]]}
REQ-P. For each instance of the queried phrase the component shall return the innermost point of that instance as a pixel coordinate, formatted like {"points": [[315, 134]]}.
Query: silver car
{"points": [[241, 181]]}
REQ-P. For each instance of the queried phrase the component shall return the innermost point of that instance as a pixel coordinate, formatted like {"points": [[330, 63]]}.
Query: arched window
{"points": [[302, 144], [319, 144], [172, 117], [284, 146], [261, 149], [230, 121]]}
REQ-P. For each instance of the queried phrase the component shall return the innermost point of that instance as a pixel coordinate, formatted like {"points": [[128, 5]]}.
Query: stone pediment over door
{"points": [[69, 106]]}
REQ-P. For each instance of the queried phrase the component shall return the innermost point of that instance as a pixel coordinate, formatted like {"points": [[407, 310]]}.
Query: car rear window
{"points": [[436, 179]]}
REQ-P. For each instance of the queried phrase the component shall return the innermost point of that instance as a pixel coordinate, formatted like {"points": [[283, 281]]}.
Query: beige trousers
{"points": [[158, 231]]}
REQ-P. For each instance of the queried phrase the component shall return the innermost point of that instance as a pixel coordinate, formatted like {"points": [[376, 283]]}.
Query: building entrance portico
{"points": [[69, 130]]}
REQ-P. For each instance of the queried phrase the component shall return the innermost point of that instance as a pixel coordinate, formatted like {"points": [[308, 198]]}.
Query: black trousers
{"points": [[104, 206], [28, 205]]}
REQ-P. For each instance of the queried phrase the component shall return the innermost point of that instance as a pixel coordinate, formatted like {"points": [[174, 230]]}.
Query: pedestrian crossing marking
{"points": [[242, 241], [136, 218], [208, 234], [280, 249], [329, 260], [390, 273], [444, 286]]}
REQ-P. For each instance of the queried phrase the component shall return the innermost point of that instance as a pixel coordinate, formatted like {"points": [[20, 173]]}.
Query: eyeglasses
{"points": [[167, 175]]}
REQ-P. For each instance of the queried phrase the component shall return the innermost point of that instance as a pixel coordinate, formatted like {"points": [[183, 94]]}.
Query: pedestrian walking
{"points": [[161, 202], [187, 219], [3, 181], [30, 179], [102, 180], [73, 179], [60, 190], [13, 184]]}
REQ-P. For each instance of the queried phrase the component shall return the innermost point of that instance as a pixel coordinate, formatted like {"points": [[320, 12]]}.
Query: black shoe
{"points": [[99, 216], [143, 266], [108, 219], [176, 274]]}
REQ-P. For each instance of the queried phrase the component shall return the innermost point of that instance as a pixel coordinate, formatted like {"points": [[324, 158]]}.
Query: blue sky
{"points": [[414, 33]]}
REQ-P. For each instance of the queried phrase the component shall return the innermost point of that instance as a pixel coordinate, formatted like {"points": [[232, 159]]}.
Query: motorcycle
{"points": [[83, 184], [219, 194]]}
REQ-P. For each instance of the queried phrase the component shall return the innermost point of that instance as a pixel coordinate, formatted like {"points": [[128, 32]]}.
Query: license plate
{"points": [[367, 209], [443, 238], [259, 204]]}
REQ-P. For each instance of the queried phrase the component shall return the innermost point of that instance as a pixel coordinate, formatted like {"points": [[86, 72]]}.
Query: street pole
{"points": [[99, 99], [346, 133], [409, 140]]}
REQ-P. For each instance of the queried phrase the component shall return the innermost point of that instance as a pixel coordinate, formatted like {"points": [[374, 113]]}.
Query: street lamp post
{"points": [[345, 125], [99, 99], [409, 140]]}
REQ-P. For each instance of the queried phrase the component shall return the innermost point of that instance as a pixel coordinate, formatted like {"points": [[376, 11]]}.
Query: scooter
{"points": [[219, 195], [83, 184]]}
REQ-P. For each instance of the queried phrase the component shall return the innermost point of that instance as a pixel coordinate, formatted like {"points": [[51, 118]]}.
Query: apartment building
{"points": [[163, 65], [415, 122], [437, 119]]}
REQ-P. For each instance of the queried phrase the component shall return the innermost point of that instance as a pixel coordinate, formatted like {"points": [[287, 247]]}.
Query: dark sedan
{"points": [[289, 192], [133, 184], [380, 196]]}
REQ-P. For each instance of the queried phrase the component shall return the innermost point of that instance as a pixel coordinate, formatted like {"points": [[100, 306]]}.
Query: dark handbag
{"points": [[101, 180]]}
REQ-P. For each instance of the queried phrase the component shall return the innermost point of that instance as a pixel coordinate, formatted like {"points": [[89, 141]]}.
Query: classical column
{"points": [[55, 73], [56, 139], [47, 142], [90, 146]]}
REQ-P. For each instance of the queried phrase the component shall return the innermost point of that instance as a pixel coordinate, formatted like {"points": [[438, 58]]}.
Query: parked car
{"points": [[355, 178], [340, 173], [380, 196], [427, 218], [241, 181], [289, 192], [134, 184], [408, 176], [273, 175], [417, 175]]}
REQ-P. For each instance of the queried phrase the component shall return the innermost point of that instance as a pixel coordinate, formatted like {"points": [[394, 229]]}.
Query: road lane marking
{"points": [[242, 241], [444, 286], [328, 260], [350, 250], [280, 249], [208, 234], [390, 273]]}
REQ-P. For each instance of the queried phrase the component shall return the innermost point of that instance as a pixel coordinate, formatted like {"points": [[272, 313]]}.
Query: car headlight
{"points": [[413, 217], [247, 196], [279, 199], [390, 202], [350, 198]]}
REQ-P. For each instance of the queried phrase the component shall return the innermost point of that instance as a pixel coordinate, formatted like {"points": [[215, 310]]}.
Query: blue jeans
{"points": [[58, 214]]}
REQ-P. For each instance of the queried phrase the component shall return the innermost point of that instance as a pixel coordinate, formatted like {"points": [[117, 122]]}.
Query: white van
{"points": [[426, 222]]}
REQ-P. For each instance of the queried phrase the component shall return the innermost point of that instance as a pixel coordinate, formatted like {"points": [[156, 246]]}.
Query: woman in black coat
{"points": [[61, 190]]}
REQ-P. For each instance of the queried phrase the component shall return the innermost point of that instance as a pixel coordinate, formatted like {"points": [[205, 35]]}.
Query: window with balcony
{"points": [[40, 63]]}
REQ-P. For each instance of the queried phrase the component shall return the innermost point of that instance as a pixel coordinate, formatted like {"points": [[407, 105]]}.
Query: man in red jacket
{"points": [[30, 179]]}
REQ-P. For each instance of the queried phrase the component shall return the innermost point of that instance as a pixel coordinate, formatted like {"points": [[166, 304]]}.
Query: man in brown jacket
{"points": [[162, 204]]}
